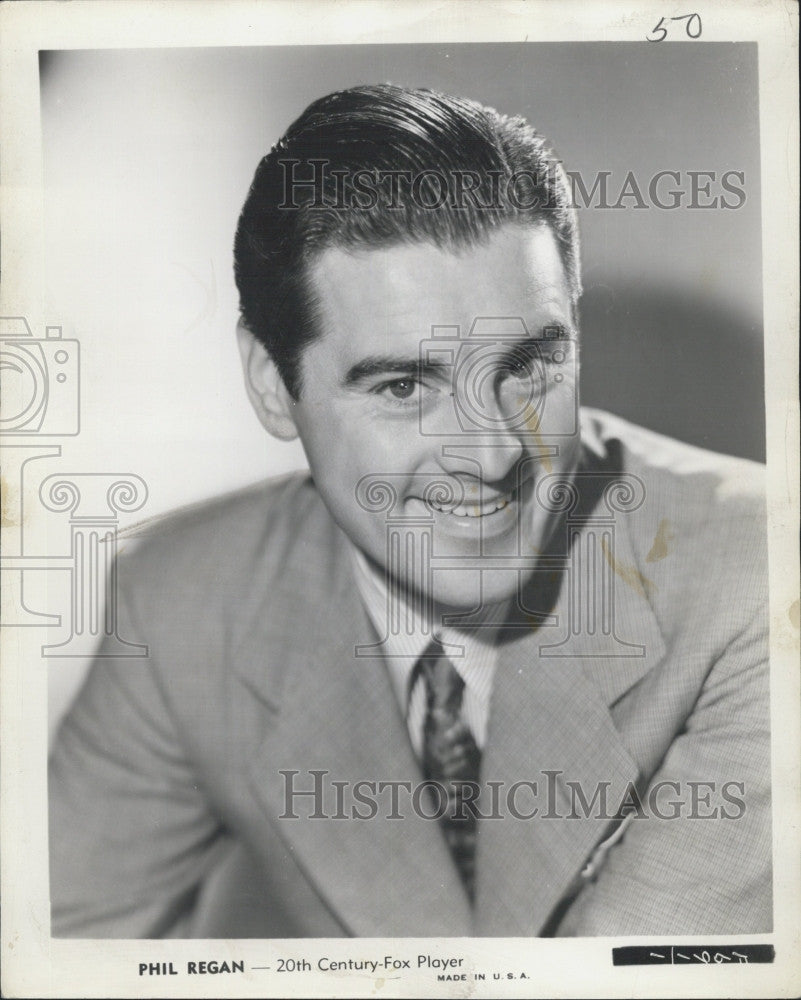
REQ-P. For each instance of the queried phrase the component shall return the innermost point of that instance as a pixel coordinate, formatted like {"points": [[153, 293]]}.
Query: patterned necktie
{"points": [[450, 757]]}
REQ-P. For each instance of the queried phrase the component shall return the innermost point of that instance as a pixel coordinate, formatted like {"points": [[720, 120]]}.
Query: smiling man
{"points": [[496, 666], [374, 404]]}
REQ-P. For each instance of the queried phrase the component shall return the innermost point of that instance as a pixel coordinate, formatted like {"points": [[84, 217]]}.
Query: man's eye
{"points": [[519, 366], [402, 388]]}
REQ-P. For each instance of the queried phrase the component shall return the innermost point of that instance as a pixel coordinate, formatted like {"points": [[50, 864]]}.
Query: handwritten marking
{"points": [[693, 27]]}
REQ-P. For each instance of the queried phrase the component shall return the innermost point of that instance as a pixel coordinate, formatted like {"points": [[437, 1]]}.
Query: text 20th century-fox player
{"points": [[474, 573]]}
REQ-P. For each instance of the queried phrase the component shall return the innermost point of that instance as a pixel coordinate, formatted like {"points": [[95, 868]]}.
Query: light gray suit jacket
{"points": [[165, 787]]}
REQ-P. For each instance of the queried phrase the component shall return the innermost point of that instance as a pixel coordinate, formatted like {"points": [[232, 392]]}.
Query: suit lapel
{"points": [[604, 619], [317, 707], [326, 710], [551, 713]]}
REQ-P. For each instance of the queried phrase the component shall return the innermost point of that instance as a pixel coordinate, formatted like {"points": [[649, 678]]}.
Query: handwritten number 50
{"points": [[692, 27]]}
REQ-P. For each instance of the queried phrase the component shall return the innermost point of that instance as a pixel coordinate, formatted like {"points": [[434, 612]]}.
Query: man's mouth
{"points": [[474, 510]]}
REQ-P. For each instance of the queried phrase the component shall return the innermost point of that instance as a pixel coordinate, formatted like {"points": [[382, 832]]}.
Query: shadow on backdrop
{"points": [[689, 368]]}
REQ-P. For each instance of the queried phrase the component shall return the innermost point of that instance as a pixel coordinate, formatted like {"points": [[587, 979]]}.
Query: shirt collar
{"points": [[473, 651]]}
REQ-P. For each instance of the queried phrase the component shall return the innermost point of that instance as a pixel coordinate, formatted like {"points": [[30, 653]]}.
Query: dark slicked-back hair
{"points": [[379, 166]]}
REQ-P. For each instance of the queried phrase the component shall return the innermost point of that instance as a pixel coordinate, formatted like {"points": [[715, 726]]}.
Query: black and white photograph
{"points": [[400, 506]]}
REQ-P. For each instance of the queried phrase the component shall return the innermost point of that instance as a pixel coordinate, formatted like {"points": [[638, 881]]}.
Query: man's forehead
{"points": [[516, 270]]}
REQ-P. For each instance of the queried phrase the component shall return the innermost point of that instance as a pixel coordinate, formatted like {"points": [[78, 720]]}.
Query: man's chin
{"points": [[484, 591]]}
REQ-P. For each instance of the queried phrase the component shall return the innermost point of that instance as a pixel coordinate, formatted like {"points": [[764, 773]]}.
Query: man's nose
{"points": [[491, 460], [492, 448]]}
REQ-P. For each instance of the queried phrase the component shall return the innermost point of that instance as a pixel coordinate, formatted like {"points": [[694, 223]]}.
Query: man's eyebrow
{"points": [[391, 364], [415, 367]]}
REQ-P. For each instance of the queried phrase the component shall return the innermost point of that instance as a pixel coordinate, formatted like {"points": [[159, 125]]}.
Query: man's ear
{"points": [[265, 387]]}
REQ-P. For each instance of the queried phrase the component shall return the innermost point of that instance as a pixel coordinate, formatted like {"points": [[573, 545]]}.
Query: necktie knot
{"points": [[444, 685]]}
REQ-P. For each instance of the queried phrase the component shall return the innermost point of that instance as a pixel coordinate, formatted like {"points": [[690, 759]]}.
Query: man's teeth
{"points": [[474, 510]]}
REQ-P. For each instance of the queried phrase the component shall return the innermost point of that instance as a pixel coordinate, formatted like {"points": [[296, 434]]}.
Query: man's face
{"points": [[479, 409]]}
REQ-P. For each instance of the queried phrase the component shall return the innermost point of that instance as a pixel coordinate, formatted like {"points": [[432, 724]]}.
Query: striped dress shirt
{"points": [[472, 651]]}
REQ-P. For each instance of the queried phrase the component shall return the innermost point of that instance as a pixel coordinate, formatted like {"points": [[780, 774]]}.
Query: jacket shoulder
{"points": [[205, 547], [695, 476], [699, 536]]}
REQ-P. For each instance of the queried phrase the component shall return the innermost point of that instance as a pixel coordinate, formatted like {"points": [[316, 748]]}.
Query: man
{"points": [[496, 666]]}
